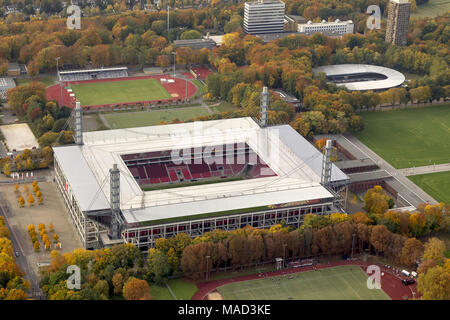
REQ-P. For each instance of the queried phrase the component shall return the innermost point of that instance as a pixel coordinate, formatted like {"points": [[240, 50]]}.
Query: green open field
{"points": [[119, 91], [436, 184], [339, 283], [145, 118], [409, 137], [431, 9], [182, 289]]}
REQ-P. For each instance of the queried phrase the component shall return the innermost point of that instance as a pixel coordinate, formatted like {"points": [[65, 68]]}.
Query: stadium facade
{"points": [[139, 184], [264, 16]]}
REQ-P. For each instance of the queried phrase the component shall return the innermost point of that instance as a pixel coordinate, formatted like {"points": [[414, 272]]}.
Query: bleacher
{"points": [[93, 74], [159, 167]]}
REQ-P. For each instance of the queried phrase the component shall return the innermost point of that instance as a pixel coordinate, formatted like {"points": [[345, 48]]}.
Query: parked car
{"points": [[408, 281]]}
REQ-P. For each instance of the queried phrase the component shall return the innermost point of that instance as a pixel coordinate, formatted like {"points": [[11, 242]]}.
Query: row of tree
{"points": [[13, 286]]}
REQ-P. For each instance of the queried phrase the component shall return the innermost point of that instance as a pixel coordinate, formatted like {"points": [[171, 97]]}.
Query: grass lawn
{"points": [[339, 283], [142, 119], [435, 184], [201, 87], [182, 289], [47, 80], [409, 137], [431, 9], [225, 106], [119, 91]]}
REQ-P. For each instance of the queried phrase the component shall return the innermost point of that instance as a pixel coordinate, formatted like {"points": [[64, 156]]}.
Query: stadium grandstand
{"points": [[92, 74], [362, 77], [5, 85], [139, 184]]}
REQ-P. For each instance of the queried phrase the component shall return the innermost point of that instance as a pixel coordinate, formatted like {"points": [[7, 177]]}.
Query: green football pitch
{"points": [[141, 119], [112, 92], [338, 283], [409, 137], [436, 184]]}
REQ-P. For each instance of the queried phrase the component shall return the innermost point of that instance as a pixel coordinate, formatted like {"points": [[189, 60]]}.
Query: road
{"points": [[34, 292], [397, 174], [425, 169]]}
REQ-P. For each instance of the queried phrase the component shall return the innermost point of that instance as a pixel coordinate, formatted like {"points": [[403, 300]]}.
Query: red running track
{"points": [[179, 88], [390, 282]]}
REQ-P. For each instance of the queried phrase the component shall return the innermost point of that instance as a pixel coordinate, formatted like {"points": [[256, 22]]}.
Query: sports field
{"points": [[110, 92], [338, 283], [431, 9], [409, 137], [435, 184], [142, 119]]}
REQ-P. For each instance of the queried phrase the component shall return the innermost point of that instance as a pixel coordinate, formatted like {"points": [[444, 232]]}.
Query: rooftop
{"points": [[393, 77], [296, 162]]}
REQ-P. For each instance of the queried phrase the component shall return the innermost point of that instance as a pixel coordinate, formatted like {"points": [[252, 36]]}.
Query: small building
{"points": [[13, 69], [5, 84], [196, 43], [290, 99], [337, 27], [291, 22]]}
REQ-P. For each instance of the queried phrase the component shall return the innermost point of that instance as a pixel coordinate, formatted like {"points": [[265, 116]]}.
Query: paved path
{"points": [[396, 174], [425, 169], [20, 255]]}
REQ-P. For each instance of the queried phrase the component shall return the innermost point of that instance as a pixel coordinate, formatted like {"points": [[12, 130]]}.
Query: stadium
{"points": [[106, 88], [136, 185], [362, 77]]}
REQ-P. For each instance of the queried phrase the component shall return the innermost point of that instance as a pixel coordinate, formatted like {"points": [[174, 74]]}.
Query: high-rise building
{"points": [[264, 16], [397, 22]]}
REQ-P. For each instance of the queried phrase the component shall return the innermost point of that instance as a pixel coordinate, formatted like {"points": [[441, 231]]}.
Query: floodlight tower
{"points": [[78, 124], [114, 187], [264, 107], [326, 163]]}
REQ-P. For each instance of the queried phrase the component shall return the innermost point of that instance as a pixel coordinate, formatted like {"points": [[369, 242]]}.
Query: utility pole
{"points": [[174, 61], [59, 78], [207, 257], [168, 20], [284, 255], [353, 238]]}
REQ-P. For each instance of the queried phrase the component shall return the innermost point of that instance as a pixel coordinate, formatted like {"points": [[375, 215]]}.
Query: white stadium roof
{"points": [[394, 78], [295, 161]]}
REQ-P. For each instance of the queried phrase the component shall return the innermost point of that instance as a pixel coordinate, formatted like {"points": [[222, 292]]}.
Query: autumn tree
{"points": [[411, 252], [434, 250], [136, 289], [21, 201], [379, 238], [435, 283], [158, 266], [376, 201], [118, 281]]}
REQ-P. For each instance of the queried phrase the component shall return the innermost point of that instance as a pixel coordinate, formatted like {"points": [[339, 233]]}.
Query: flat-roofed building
{"points": [[337, 27], [196, 43], [264, 16], [398, 12]]}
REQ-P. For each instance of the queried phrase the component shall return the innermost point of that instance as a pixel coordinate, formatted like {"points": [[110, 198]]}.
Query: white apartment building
{"points": [[264, 16], [336, 27]]}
